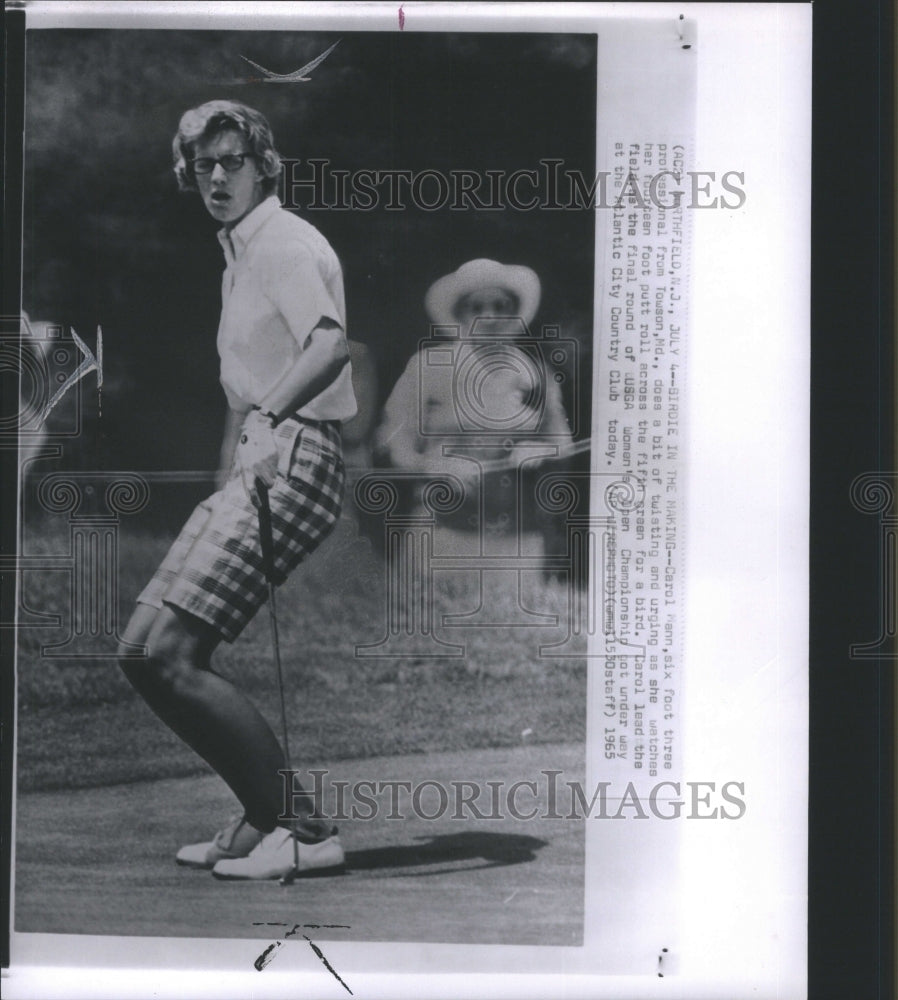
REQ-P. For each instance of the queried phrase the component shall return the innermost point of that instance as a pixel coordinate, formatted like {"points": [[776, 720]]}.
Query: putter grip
{"points": [[265, 530]]}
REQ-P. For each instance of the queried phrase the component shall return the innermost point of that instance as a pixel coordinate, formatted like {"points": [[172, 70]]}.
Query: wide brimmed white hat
{"points": [[443, 295]]}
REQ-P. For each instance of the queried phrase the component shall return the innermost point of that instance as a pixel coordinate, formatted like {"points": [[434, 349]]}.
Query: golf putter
{"points": [[268, 567]]}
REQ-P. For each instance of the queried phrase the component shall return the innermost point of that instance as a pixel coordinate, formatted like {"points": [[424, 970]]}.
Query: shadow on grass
{"points": [[494, 850]]}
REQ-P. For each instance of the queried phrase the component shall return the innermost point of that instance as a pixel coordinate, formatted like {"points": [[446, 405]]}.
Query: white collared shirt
{"points": [[281, 278]]}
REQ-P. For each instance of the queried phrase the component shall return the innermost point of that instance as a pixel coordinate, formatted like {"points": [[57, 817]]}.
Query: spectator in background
{"points": [[484, 393]]}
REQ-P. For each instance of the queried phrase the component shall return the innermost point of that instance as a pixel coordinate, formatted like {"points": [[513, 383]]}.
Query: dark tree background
{"points": [[110, 240]]}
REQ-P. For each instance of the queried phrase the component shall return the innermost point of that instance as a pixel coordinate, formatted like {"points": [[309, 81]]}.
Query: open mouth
{"points": [[220, 197]]}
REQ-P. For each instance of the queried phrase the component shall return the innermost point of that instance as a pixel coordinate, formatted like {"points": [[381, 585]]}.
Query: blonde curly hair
{"points": [[213, 117]]}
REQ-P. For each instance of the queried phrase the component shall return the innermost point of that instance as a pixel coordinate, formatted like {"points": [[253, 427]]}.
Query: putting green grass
{"points": [[106, 794], [101, 861]]}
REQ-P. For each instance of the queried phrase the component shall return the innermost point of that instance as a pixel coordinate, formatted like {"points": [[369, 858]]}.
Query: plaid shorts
{"points": [[214, 568]]}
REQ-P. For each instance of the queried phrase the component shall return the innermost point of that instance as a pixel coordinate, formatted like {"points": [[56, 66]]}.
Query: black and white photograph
{"points": [[389, 387]]}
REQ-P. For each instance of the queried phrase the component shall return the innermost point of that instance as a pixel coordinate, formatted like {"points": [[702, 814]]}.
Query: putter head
{"points": [[289, 878]]}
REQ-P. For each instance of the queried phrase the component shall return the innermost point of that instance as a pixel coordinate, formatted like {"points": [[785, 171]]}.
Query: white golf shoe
{"points": [[274, 858], [236, 840]]}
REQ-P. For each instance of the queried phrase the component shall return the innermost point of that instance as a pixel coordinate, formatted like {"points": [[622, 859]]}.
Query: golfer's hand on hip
{"points": [[257, 454]]}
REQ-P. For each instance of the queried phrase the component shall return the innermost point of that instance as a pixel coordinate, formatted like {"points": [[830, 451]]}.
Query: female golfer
{"points": [[285, 372]]}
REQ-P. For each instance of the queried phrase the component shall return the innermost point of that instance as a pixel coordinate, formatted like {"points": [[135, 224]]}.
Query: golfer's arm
{"points": [[324, 357]]}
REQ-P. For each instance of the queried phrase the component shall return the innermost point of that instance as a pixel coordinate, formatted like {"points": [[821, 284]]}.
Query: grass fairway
{"points": [[106, 794], [80, 724]]}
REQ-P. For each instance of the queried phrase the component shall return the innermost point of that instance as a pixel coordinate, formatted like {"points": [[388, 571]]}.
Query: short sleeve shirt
{"points": [[281, 278]]}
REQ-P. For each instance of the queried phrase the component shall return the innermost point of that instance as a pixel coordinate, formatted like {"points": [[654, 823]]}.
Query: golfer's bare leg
{"points": [[205, 710]]}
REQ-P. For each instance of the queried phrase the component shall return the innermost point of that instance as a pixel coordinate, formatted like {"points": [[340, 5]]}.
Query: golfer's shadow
{"points": [[493, 850]]}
